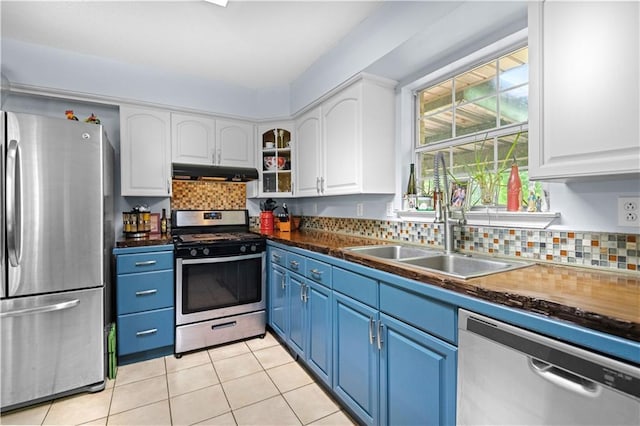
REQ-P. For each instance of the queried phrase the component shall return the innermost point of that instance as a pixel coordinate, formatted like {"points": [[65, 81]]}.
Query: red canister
{"points": [[266, 221]]}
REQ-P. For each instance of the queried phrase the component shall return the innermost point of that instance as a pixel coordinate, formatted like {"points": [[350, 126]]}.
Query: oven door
{"points": [[217, 287]]}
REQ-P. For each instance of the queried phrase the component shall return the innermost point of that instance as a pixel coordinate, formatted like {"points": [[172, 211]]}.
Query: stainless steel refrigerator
{"points": [[57, 233]]}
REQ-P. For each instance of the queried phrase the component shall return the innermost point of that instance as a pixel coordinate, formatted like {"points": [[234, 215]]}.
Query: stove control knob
{"points": [[205, 251], [253, 247], [193, 252], [243, 249]]}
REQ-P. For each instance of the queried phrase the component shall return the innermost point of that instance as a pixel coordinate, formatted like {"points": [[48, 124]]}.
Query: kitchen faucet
{"points": [[443, 203]]}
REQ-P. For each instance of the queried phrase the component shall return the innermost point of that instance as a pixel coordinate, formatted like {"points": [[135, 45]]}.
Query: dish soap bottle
{"points": [[514, 189]]}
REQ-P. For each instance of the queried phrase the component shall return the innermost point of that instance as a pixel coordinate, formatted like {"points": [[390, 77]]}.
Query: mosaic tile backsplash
{"points": [[594, 249], [206, 195]]}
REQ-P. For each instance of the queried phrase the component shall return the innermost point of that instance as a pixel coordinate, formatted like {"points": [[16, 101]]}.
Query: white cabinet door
{"points": [[193, 139], [342, 142], [235, 144], [308, 154], [584, 99], [145, 152]]}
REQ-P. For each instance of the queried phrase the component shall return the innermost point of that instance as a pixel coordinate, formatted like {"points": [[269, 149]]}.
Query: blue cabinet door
{"points": [[355, 356], [297, 314], [417, 376], [318, 304], [278, 303]]}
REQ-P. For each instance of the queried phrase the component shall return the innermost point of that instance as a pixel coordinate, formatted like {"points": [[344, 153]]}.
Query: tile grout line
{"points": [[222, 387]]}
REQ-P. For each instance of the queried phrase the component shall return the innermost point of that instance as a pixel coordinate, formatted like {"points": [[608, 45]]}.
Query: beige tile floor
{"points": [[255, 382]]}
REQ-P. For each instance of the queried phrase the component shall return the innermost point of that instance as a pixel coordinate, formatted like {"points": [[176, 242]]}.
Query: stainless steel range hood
{"points": [[214, 173]]}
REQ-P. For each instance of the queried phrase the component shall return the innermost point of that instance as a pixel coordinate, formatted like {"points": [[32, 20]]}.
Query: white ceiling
{"points": [[253, 44]]}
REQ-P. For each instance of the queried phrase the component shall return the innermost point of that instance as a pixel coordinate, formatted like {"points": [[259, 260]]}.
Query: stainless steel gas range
{"points": [[220, 278]]}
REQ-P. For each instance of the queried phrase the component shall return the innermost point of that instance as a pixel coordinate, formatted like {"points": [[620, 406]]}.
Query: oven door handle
{"points": [[219, 259]]}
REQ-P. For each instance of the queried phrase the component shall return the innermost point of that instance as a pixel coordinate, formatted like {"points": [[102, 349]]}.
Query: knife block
{"points": [[284, 226]]}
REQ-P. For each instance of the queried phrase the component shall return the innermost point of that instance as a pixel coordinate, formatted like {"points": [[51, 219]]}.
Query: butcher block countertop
{"points": [[600, 300]]}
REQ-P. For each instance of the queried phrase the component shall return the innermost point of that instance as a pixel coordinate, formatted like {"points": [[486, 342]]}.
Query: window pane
{"points": [[425, 179], [436, 112], [472, 157], [476, 116], [436, 127], [514, 69], [477, 83], [514, 106], [520, 151]]}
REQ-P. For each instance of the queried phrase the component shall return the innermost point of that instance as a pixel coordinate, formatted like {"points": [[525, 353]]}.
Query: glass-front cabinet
{"points": [[276, 168]]}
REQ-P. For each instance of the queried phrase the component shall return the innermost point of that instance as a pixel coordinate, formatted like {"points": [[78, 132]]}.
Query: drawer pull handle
{"points": [[146, 263], [147, 332], [224, 325], [275, 257], [316, 273], [294, 264], [146, 292]]}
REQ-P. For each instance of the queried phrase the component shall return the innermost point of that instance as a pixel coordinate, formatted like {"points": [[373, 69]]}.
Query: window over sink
{"points": [[474, 114]]}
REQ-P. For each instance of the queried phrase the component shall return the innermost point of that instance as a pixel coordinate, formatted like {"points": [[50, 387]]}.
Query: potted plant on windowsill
{"points": [[482, 172]]}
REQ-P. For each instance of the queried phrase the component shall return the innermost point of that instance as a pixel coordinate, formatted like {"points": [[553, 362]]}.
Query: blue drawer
{"points": [[145, 331], [144, 292], [430, 315], [295, 263], [319, 272], [144, 262], [361, 288], [277, 256]]}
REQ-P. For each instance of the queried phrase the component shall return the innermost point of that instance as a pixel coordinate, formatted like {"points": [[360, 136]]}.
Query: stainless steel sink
{"points": [[393, 252], [463, 266]]}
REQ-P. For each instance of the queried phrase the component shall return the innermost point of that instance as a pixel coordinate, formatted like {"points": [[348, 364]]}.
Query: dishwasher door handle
{"points": [[565, 379]]}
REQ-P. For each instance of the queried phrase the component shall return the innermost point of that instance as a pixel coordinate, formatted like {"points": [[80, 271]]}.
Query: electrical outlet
{"points": [[390, 209], [359, 209], [628, 211]]}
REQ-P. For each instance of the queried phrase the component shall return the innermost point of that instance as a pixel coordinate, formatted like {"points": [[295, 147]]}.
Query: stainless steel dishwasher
{"points": [[507, 375]]}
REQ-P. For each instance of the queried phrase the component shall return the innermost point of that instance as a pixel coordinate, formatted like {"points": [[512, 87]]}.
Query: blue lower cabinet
{"points": [[144, 302], [319, 342], [297, 315], [144, 331], [355, 356], [417, 376], [278, 301]]}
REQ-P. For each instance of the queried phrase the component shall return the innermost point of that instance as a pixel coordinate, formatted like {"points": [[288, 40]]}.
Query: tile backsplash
{"points": [[603, 250], [207, 195]]}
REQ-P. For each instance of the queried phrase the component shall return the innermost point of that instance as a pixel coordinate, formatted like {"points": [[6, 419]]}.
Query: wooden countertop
{"points": [[600, 300], [149, 240]]}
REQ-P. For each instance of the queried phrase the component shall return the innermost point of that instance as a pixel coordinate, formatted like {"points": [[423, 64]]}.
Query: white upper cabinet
{"points": [[235, 144], [308, 154], [206, 140], [193, 139], [584, 101], [145, 152], [349, 142], [276, 159]]}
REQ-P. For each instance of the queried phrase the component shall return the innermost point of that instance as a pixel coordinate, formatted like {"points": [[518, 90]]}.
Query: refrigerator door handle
{"points": [[40, 309], [14, 203]]}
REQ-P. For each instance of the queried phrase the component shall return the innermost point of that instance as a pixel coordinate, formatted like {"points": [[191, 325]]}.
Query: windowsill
{"points": [[489, 216]]}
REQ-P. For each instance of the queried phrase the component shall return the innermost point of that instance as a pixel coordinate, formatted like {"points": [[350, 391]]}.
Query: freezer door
{"points": [[54, 204], [50, 344]]}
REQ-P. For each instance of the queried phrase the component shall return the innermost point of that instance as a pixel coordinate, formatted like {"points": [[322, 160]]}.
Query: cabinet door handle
{"points": [[146, 263], [146, 292], [306, 293], [380, 335], [168, 186], [294, 265], [282, 283], [302, 293], [371, 325], [317, 184], [146, 332]]}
